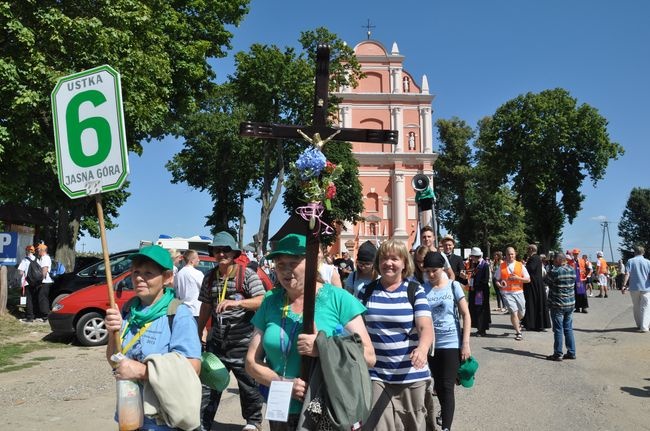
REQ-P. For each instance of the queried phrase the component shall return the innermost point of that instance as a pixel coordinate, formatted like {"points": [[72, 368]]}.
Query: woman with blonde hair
{"points": [[399, 323]]}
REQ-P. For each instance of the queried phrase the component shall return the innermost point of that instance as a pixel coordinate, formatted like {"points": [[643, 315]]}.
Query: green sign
{"points": [[91, 153]]}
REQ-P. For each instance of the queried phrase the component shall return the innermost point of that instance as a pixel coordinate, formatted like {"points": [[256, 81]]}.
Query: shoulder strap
{"points": [[367, 293], [239, 278], [171, 311], [410, 291]]}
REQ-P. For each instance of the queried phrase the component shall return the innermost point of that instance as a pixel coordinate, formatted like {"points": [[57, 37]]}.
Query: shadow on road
{"points": [[637, 392], [512, 351], [606, 330]]}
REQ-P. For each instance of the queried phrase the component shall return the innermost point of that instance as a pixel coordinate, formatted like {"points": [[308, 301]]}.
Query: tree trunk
{"points": [[269, 201], [67, 230]]}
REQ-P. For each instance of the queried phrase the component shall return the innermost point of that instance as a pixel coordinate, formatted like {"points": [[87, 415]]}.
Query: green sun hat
{"points": [[292, 245], [466, 372], [214, 373], [156, 253]]}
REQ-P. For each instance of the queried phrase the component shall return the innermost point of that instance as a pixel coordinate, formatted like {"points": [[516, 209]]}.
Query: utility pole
{"points": [[605, 225]]}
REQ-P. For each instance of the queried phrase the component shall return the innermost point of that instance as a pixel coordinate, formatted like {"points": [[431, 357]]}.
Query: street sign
{"points": [[91, 153]]}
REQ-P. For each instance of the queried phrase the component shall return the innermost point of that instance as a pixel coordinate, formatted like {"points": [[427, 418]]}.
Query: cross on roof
{"points": [[368, 27]]}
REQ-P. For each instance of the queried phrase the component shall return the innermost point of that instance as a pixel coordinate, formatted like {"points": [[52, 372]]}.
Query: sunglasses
{"points": [[219, 250]]}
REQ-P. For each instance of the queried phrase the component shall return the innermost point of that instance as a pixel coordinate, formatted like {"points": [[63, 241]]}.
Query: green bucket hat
{"points": [[224, 239], [213, 373], [156, 253], [466, 372], [292, 244]]}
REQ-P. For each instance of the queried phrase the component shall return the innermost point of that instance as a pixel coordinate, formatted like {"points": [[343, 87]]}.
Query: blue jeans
{"points": [[563, 326]]}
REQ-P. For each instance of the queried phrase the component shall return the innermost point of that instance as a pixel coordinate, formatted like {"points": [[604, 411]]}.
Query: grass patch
{"points": [[16, 340]]}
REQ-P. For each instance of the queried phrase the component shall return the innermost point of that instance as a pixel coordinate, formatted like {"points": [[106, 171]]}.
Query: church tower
{"points": [[388, 98]]}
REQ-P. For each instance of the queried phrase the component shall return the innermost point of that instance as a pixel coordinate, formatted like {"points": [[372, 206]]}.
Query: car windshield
{"points": [[119, 264]]}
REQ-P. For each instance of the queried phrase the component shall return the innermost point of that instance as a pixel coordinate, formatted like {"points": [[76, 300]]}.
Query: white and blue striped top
{"points": [[390, 320]]}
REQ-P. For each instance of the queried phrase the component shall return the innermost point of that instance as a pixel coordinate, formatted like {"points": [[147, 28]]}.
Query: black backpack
{"points": [[34, 275]]}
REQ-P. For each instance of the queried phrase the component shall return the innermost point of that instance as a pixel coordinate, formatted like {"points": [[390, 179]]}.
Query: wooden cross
{"points": [[320, 133]]}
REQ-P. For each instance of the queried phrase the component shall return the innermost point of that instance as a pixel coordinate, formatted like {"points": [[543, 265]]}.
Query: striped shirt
{"points": [[390, 320], [561, 287]]}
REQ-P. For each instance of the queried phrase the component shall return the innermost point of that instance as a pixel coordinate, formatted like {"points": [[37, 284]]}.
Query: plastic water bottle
{"points": [[340, 331], [130, 411]]}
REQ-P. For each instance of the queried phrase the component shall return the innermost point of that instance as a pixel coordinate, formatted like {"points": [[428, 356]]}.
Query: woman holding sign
{"points": [[160, 349], [275, 351]]}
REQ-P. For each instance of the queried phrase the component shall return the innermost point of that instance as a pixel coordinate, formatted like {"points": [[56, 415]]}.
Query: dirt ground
{"points": [[606, 388]]}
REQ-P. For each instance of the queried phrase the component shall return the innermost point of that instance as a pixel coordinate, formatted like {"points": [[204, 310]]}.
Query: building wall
{"points": [[388, 98]]}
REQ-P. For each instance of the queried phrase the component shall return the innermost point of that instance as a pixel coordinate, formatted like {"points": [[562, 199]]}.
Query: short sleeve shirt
{"points": [[444, 304], [334, 306]]}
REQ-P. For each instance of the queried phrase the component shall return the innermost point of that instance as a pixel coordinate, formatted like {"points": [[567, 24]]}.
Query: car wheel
{"points": [[59, 298], [91, 330]]}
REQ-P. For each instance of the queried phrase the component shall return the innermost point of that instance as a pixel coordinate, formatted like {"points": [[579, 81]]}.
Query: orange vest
{"points": [[512, 285], [602, 269], [583, 268]]}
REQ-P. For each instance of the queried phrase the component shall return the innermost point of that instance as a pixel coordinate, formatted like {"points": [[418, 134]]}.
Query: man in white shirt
{"points": [[43, 290], [187, 282], [22, 270]]}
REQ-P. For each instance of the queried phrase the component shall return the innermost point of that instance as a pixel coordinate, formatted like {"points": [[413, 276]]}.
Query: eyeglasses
{"points": [[359, 263], [221, 250]]}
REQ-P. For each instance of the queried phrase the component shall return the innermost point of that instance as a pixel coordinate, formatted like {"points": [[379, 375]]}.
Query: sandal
{"points": [[518, 336]]}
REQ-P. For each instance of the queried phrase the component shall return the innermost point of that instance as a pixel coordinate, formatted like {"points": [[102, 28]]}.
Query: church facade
{"points": [[389, 97]]}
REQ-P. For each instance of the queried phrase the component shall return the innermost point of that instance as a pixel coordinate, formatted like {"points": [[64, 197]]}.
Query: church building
{"points": [[389, 97]]}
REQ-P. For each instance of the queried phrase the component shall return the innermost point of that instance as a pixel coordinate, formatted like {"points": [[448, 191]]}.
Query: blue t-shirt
{"points": [[639, 269], [444, 303], [391, 325], [159, 338]]}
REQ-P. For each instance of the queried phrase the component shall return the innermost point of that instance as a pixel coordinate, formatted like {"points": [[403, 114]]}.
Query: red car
{"points": [[82, 312]]}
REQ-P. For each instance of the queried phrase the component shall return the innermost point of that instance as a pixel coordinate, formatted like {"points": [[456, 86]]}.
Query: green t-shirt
{"points": [[334, 306]]}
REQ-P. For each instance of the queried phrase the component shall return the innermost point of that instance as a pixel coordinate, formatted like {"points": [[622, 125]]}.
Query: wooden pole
{"points": [[107, 262], [309, 301]]}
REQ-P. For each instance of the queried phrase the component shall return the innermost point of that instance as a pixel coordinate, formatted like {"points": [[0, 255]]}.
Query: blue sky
{"points": [[476, 56]]}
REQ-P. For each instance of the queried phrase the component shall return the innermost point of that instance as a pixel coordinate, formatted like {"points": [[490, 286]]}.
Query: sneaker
{"points": [[606, 296], [518, 336], [27, 320], [40, 320], [591, 295], [554, 357], [568, 356], [584, 310], [252, 427]]}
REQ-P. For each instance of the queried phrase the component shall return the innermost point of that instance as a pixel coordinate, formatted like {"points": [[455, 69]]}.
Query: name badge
{"points": [[277, 406]]}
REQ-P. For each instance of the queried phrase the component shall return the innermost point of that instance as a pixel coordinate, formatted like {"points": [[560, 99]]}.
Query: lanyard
{"points": [[223, 290], [286, 348], [135, 338]]}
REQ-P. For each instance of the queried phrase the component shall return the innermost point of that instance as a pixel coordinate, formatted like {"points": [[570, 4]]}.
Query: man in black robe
{"points": [[455, 262], [537, 316]]}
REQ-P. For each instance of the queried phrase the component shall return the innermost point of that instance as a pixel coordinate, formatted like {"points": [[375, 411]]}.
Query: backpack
{"points": [[242, 263], [34, 275]]}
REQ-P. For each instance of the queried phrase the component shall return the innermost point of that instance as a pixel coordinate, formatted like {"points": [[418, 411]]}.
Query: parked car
{"points": [[82, 312], [94, 273]]}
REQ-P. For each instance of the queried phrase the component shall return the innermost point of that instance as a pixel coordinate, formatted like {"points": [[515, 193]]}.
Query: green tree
{"points": [[160, 50], [216, 159], [544, 146], [453, 177], [634, 227]]}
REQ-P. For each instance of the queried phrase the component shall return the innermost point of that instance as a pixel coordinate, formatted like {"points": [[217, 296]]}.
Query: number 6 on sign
{"points": [[89, 132]]}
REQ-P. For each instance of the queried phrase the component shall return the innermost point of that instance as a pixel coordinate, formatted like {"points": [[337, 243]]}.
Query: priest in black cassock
{"points": [[537, 317]]}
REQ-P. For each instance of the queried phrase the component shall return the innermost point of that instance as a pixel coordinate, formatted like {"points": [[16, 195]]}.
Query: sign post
{"points": [[90, 140]]}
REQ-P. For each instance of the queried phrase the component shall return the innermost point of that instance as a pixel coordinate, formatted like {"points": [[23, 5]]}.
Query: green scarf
{"points": [[138, 318]]}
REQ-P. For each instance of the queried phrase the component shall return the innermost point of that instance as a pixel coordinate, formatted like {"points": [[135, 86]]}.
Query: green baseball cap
{"points": [[466, 372], [156, 253], [292, 244]]}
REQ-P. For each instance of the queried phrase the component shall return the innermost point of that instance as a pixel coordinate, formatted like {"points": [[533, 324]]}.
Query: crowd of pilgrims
{"points": [[413, 311]]}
